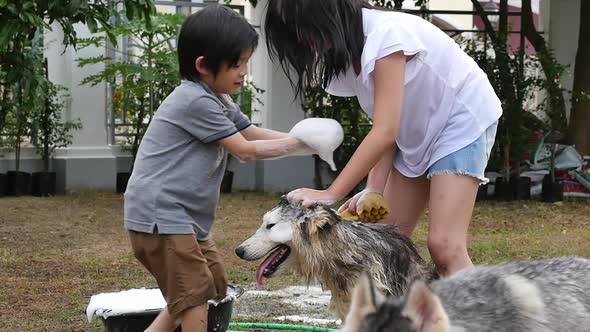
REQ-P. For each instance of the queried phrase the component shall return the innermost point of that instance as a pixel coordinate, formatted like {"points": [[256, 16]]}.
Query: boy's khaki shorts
{"points": [[188, 272]]}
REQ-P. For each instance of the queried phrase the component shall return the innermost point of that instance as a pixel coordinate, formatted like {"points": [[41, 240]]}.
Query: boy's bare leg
{"points": [[195, 319], [163, 323]]}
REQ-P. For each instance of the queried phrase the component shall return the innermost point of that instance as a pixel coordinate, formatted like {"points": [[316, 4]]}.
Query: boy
{"points": [[172, 194]]}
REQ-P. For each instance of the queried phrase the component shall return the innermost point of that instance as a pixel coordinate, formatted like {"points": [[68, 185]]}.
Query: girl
{"points": [[434, 113]]}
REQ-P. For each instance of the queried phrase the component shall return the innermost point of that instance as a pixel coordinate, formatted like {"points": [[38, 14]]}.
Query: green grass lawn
{"points": [[57, 252]]}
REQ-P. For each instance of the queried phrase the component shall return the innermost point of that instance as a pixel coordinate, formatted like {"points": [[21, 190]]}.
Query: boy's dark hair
{"points": [[217, 33], [318, 39]]}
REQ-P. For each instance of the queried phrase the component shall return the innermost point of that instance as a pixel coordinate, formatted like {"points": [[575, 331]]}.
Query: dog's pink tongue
{"points": [[259, 276], [261, 268]]}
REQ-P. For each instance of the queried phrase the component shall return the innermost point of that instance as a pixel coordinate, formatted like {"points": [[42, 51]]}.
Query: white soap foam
{"points": [[322, 135], [137, 300]]}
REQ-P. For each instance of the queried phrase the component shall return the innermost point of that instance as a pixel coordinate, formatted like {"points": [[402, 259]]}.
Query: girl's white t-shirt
{"points": [[448, 100]]}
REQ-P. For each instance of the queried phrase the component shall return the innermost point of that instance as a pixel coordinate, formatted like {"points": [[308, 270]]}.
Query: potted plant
{"points": [[20, 57], [2, 184], [48, 132], [552, 189], [502, 69], [147, 74], [554, 108], [18, 182]]}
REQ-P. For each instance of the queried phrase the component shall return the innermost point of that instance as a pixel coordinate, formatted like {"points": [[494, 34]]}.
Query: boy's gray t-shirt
{"points": [[178, 169]]}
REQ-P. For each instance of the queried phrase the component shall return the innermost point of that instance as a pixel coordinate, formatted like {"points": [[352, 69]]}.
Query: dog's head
{"points": [[419, 311], [273, 238]]}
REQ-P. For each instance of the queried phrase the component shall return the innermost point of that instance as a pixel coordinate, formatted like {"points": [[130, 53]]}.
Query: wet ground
{"points": [[293, 304]]}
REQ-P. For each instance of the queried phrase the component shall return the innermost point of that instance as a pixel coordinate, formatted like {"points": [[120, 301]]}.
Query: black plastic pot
{"points": [[518, 188], [218, 319], [227, 182], [482, 193], [503, 190], [521, 187], [552, 191], [122, 180], [18, 183], [2, 184], [43, 183]]}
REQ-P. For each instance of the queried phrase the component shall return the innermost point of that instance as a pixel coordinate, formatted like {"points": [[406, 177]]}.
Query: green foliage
{"points": [[553, 105], [48, 129], [21, 73], [551, 82], [148, 75], [22, 18], [21, 78], [348, 113], [246, 98], [516, 80], [36, 112]]}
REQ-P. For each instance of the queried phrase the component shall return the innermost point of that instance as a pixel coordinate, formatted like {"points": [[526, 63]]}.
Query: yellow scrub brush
{"points": [[371, 208]]}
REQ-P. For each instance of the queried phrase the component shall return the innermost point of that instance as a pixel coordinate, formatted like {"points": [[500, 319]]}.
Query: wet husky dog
{"points": [[541, 296], [322, 247]]}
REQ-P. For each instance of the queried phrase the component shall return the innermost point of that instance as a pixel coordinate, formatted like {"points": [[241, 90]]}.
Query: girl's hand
{"points": [[351, 204], [308, 197], [368, 206]]}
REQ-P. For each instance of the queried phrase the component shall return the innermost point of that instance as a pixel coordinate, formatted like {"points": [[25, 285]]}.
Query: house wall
{"points": [[561, 21], [89, 162], [458, 21]]}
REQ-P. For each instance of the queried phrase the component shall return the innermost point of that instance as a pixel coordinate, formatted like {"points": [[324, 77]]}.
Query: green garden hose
{"points": [[275, 326]]}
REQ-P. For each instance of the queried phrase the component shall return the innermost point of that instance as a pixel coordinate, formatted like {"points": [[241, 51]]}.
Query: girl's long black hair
{"points": [[314, 40]]}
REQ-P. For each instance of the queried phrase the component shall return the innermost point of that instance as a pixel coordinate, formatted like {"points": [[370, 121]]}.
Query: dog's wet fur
{"points": [[322, 247], [540, 296]]}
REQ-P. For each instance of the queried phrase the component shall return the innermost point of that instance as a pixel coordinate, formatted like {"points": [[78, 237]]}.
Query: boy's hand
{"points": [[308, 197]]}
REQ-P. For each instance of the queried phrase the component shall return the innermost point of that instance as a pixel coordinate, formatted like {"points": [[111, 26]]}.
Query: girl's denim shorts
{"points": [[470, 160]]}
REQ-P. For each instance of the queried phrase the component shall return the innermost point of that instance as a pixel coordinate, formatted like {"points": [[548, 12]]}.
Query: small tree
{"points": [[49, 131], [149, 75], [553, 105], [22, 20], [20, 95]]}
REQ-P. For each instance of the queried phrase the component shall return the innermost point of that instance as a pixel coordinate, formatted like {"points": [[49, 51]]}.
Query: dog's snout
{"points": [[240, 252]]}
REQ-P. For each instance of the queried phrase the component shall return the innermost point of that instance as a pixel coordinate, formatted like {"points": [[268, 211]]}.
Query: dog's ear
{"points": [[424, 308], [283, 201], [319, 219], [365, 301]]}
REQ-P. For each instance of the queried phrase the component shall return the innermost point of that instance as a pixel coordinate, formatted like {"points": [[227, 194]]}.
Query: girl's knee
{"points": [[449, 256], [444, 249]]}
